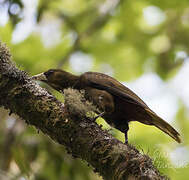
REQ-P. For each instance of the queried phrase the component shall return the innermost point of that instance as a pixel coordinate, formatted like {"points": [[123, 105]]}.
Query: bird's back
{"points": [[105, 82]]}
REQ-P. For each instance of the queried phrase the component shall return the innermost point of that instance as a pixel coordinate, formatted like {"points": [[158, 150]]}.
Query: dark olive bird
{"points": [[119, 104]]}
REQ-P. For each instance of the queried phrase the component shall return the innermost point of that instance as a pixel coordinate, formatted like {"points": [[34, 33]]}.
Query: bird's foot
{"points": [[126, 136], [99, 115], [126, 142]]}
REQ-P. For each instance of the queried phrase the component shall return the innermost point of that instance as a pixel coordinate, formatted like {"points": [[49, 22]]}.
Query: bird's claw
{"points": [[126, 142], [99, 115], [126, 136]]}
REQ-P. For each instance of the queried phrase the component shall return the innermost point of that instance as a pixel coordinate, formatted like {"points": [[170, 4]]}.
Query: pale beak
{"points": [[39, 77]]}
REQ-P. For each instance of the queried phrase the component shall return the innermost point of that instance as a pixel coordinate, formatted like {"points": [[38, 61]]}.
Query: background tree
{"points": [[143, 43]]}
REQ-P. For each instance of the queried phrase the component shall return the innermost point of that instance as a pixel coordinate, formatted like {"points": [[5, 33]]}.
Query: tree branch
{"points": [[68, 125]]}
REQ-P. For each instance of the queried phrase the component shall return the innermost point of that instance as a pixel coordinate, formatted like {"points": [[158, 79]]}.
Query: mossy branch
{"points": [[68, 125]]}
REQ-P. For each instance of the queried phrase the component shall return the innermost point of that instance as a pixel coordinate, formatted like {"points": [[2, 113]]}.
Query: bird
{"points": [[119, 105]]}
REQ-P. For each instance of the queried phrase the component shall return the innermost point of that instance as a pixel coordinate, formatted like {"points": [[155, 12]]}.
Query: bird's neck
{"points": [[71, 80], [64, 81]]}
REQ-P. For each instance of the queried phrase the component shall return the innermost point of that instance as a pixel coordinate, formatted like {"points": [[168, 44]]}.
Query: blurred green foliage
{"points": [[123, 38]]}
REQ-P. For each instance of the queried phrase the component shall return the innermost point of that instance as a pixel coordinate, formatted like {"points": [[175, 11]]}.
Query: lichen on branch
{"points": [[77, 104]]}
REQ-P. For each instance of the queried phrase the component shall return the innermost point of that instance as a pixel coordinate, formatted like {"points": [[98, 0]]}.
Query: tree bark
{"points": [[68, 125]]}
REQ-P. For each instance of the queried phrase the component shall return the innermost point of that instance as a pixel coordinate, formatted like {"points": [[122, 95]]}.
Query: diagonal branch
{"points": [[68, 125]]}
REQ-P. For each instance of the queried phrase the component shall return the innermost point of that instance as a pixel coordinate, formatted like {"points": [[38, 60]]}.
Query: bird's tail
{"points": [[164, 126]]}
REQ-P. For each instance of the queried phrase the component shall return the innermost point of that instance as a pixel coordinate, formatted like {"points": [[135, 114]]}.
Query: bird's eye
{"points": [[48, 73]]}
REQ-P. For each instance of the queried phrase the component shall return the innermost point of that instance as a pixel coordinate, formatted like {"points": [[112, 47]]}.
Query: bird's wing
{"points": [[111, 85]]}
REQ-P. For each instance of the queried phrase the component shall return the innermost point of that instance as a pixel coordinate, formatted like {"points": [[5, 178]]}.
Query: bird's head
{"points": [[56, 78]]}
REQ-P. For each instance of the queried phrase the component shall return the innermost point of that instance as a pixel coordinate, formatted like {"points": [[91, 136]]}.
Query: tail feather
{"points": [[164, 126]]}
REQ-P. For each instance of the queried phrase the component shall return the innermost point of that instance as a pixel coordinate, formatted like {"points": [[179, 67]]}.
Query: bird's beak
{"points": [[39, 77]]}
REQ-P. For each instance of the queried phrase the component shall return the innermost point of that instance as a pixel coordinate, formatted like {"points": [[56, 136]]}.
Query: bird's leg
{"points": [[99, 115], [126, 136]]}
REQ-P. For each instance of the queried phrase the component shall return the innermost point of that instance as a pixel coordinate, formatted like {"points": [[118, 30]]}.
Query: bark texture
{"points": [[68, 125]]}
